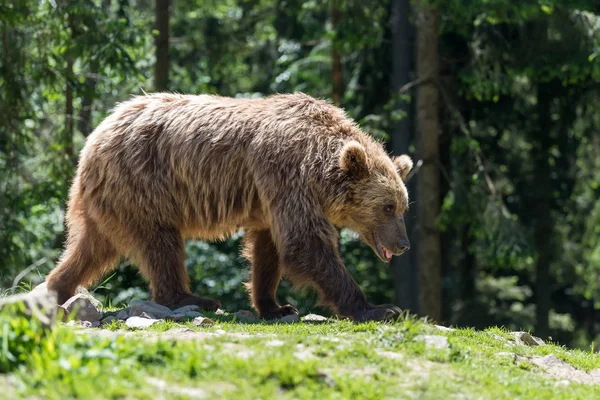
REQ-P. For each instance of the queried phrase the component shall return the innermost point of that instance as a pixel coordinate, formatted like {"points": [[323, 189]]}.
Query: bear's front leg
{"points": [[312, 258]]}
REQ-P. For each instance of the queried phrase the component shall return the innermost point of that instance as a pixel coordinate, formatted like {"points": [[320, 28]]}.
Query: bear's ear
{"points": [[403, 165], [353, 160]]}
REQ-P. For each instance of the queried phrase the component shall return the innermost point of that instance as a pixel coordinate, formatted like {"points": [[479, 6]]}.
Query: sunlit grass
{"points": [[248, 360]]}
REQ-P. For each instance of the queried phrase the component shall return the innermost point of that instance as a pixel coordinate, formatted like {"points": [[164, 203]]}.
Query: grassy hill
{"points": [[337, 359]]}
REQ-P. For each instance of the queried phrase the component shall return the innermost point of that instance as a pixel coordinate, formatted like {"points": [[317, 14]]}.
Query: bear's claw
{"points": [[385, 312], [279, 312]]}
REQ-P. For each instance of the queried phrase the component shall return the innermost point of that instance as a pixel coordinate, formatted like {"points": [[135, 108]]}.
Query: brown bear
{"points": [[288, 169]]}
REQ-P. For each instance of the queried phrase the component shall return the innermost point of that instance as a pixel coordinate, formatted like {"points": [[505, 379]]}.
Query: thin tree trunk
{"points": [[404, 269], [469, 270], [543, 230], [70, 79], [84, 123], [336, 64], [428, 179], [161, 67]]}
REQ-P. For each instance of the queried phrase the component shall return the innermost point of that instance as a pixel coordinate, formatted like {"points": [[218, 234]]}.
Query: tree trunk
{"points": [[161, 68], [542, 208], [336, 64], [84, 123], [67, 141], [428, 178], [404, 269]]}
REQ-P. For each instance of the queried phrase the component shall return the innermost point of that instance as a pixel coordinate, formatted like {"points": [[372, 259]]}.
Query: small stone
{"points": [[288, 319], [81, 307], [444, 328], [150, 308], [303, 354], [562, 383], [244, 315], [524, 338], [202, 321], [43, 288], [220, 312], [504, 354], [184, 309], [140, 323], [108, 320], [434, 341], [79, 324], [95, 324], [314, 319], [123, 314], [497, 337], [275, 343]]}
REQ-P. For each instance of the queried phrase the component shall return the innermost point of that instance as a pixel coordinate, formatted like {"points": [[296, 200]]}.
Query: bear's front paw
{"points": [[385, 312], [279, 312]]}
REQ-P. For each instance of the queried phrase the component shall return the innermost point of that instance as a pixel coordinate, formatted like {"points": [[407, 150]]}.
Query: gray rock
{"points": [[524, 338], [288, 319], [39, 305], [151, 308], [184, 309], [43, 288], [123, 314], [202, 321], [245, 315], [556, 368], [314, 319], [140, 323], [433, 341], [108, 320], [220, 312], [497, 337], [183, 316], [82, 307]]}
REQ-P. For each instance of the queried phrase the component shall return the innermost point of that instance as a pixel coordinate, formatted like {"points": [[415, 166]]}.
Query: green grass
{"points": [[335, 360]]}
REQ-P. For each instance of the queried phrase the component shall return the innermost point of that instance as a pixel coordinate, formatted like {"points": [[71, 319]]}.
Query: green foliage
{"points": [[22, 339], [518, 90]]}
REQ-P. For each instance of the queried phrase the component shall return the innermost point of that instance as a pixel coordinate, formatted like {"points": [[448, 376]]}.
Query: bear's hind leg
{"points": [[88, 256], [162, 262], [265, 274]]}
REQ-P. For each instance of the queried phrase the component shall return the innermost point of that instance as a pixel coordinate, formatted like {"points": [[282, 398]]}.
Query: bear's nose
{"points": [[403, 246]]}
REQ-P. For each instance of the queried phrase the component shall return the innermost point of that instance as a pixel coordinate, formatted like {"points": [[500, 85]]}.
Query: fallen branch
{"points": [[27, 270]]}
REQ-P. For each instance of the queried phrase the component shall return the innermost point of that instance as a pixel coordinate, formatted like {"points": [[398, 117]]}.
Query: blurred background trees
{"points": [[498, 101]]}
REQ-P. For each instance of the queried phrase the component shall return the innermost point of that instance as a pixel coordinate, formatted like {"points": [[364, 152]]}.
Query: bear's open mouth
{"points": [[382, 252]]}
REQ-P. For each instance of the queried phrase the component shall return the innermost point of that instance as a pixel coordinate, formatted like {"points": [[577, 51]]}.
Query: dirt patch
{"points": [[556, 368]]}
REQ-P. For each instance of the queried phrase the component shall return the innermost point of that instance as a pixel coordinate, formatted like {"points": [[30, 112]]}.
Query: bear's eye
{"points": [[390, 209]]}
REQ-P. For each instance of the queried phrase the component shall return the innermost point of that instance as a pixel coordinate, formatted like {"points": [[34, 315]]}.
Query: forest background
{"points": [[497, 101]]}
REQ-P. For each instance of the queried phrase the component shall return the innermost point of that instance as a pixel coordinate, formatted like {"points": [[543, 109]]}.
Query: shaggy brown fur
{"points": [[288, 169]]}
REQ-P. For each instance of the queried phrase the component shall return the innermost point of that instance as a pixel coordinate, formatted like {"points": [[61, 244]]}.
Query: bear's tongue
{"points": [[387, 253]]}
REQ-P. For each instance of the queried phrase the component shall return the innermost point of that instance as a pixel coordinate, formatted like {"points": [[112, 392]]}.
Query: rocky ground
{"points": [[150, 350]]}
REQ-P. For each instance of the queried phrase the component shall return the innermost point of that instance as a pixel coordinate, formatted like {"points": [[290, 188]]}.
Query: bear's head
{"points": [[376, 200]]}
